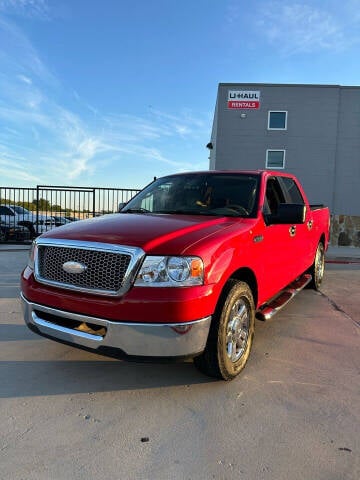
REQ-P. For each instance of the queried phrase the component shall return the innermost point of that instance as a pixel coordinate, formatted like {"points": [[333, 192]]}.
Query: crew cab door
{"points": [[283, 250], [304, 240]]}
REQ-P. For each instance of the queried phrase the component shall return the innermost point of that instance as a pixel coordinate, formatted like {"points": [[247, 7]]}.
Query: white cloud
{"points": [[292, 27], [24, 79], [67, 147], [27, 8], [83, 154], [18, 174], [19, 57], [296, 28], [12, 167], [46, 141], [140, 136]]}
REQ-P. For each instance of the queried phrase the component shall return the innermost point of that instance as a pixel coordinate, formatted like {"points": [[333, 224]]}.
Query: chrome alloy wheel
{"points": [[237, 330], [319, 264]]}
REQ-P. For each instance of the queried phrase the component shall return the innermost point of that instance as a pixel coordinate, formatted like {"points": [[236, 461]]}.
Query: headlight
{"points": [[32, 255], [157, 271]]}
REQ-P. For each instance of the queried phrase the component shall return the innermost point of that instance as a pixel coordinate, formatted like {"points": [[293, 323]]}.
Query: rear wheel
{"points": [[3, 236], [231, 334], [318, 267]]}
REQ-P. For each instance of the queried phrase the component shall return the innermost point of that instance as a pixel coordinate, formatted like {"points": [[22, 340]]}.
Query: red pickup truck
{"points": [[181, 271]]}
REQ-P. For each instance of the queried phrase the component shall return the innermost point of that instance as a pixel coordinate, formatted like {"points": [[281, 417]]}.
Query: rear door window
{"points": [[292, 191]]}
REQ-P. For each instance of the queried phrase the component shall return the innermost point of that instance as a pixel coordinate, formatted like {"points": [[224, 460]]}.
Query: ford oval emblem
{"points": [[74, 267]]}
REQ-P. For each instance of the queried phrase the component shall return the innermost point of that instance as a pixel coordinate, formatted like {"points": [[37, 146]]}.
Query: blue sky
{"points": [[115, 92]]}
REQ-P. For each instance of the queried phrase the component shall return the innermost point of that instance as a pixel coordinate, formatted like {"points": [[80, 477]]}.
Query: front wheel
{"points": [[318, 267], [231, 334]]}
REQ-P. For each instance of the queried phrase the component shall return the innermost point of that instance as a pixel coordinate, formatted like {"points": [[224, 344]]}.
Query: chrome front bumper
{"points": [[105, 336]]}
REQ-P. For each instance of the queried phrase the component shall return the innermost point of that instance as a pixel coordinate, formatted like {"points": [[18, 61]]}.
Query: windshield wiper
{"points": [[216, 212], [172, 211], [182, 211], [135, 210]]}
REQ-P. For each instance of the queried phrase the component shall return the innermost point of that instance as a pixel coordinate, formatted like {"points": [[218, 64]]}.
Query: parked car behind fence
{"points": [[16, 218], [38, 210], [18, 234]]}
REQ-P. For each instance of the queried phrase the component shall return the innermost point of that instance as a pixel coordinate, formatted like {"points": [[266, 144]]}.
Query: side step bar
{"points": [[268, 310]]}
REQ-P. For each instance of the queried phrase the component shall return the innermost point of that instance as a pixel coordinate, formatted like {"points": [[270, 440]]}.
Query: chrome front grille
{"points": [[108, 268]]}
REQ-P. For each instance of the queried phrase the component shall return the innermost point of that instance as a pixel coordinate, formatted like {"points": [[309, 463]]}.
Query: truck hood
{"points": [[153, 233]]}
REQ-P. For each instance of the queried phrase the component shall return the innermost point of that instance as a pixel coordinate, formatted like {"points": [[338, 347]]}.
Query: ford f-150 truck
{"points": [[181, 271]]}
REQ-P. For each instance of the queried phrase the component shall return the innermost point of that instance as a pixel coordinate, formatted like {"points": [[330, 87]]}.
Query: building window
{"points": [[277, 120], [275, 159]]}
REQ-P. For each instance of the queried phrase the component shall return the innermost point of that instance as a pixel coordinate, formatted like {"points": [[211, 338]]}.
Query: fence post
{"points": [[37, 210], [93, 202]]}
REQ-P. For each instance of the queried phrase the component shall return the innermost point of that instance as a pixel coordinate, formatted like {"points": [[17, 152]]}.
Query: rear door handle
{"points": [[292, 231]]}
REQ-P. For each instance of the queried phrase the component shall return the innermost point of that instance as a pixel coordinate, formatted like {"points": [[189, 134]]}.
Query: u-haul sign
{"points": [[244, 99]]}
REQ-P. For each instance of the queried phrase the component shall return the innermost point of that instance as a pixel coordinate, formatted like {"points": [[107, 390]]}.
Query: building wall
{"points": [[347, 174], [322, 140]]}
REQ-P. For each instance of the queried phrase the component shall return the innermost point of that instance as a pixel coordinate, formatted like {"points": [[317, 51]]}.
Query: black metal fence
{"points": [[28, 212]]}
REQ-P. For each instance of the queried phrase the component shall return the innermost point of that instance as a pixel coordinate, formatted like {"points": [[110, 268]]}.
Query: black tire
{"points": [[3, 236], [231, 333], [317, 268], [32, 230]]}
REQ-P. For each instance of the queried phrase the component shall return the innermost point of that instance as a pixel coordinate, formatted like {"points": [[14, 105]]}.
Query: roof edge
{"points": [[322, 85]]}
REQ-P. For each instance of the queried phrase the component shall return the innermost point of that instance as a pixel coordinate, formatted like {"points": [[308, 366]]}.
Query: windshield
{"points": [[219, 194]]}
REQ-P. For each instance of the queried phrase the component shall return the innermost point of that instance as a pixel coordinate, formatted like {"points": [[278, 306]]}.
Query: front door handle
{"points": [[292, 231]]}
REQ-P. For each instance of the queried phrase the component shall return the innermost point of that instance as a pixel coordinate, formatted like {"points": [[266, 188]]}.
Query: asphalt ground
{"points": [[293, 413]]}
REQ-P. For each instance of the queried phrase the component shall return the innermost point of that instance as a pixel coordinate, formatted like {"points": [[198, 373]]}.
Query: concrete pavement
{"points": [[343, 254], [292, 414]]}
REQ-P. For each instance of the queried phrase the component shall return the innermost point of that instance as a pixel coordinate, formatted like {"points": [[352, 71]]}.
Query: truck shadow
{"points": [[57, 377], [63, 370], [21, 374], [14, 333]]}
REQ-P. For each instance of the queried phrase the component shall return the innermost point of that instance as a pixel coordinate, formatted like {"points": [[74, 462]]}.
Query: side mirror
{"points": [[121, 206], [287, 213]]}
